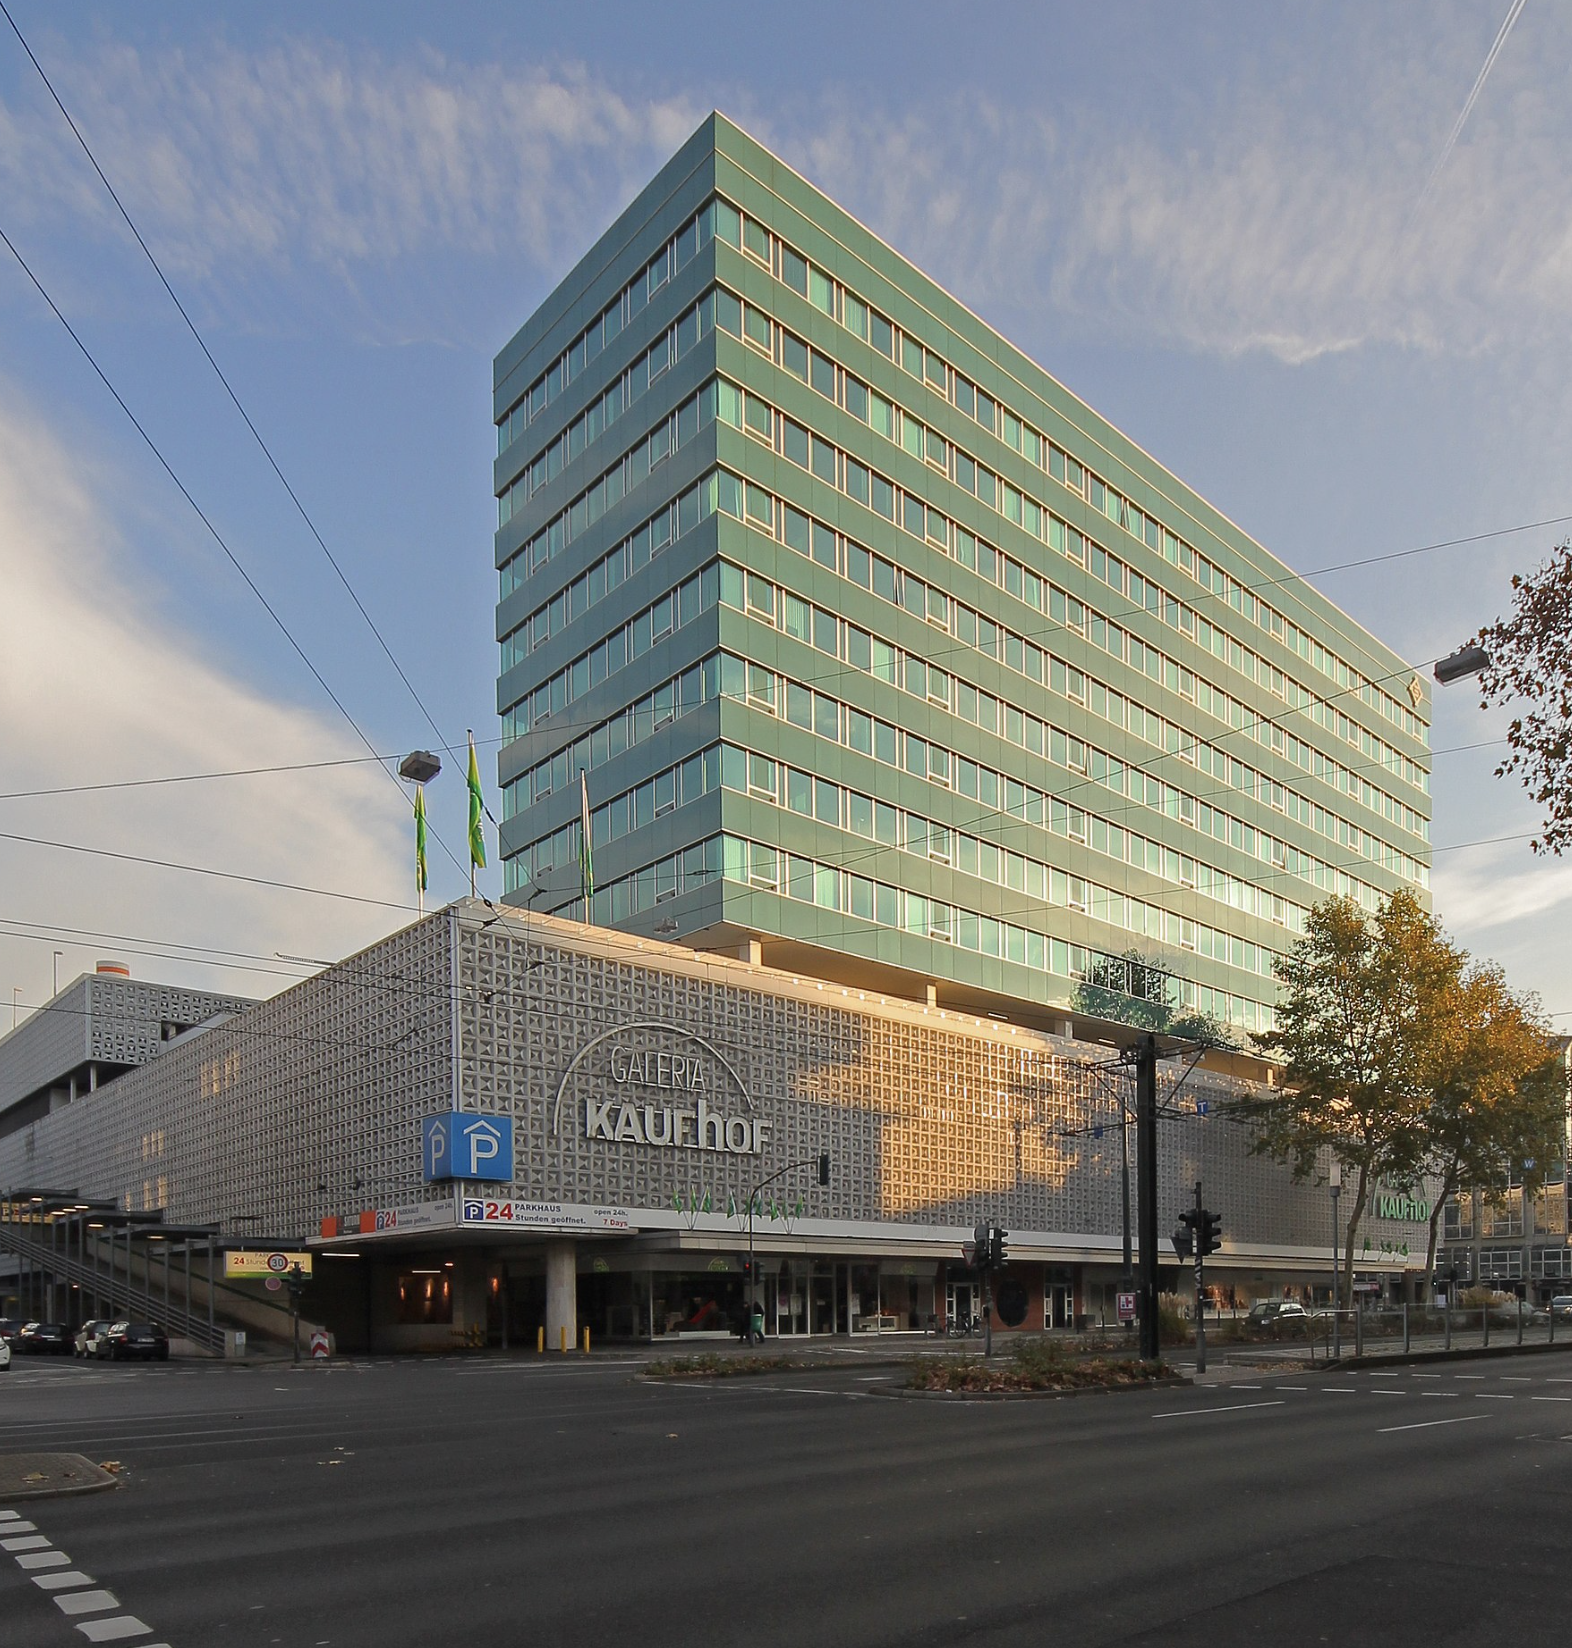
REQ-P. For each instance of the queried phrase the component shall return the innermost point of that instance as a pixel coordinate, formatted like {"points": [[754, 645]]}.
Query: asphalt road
{"points": [[509, 1503]]}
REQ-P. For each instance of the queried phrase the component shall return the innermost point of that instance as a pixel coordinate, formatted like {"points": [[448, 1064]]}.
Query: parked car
{"points": [[45, 1339], [125, 1340], [10, 1326], [1278, 1316], [88, 1335], [1561, 1305]]}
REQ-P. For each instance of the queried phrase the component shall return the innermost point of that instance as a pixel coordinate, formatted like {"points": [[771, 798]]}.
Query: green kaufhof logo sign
{"points": [[1399, 1204]]}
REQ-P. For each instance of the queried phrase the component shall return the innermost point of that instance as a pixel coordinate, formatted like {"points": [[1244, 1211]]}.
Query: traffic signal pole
{"points": [[1200, 1262], [1146, 1193]]}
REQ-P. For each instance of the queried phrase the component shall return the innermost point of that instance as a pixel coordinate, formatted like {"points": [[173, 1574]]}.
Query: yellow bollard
{"points": [[586, 1341], [540, 1340], [562, 1334]]}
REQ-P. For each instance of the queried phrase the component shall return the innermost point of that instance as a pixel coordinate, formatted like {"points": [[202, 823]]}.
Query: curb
{"points": [[15, 1468], [1169, 1382]]}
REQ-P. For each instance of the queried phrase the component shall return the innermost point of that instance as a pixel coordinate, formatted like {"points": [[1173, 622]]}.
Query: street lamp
{"points": [[1470, 660], [419, 767], [1335, 1183]]}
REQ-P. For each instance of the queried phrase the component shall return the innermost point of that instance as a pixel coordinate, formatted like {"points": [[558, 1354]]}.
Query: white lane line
{"points": [[1452, 1394], [61, 1582], [1291, 1387], [24, 1542], [1516, 1379], [1241, 1407], [87, 1602], [1237, 1386], [1493, 1396], [1383, 1376], [1341, 1390], [1553, 1381], [44, 1559], [112, 1630], [1427, 1376], [1425, 1424], [20, 1527], [1379, 1392], [1468, 1376], [1550, 1399]]}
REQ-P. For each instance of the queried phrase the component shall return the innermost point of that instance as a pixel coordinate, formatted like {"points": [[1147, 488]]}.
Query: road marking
{"points": [[1379, 1392], [25, 1542], [1516, 1379], [1341, 1390], [1383, 1376], [1242, 1407], [1291, 1387], [60, 1582], [1550, 1399], [112, 1630], [87, 1602], [44, 1559], [1493, 1396], [1427, 1376], [1468, 1376], [1425, 1424], [1452, 1394], [1245, 1387]]}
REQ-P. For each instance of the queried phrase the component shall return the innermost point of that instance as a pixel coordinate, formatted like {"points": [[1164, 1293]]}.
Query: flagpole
{"points": [[471, 732]]}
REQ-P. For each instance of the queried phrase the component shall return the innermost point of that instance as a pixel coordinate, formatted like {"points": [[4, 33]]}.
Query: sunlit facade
{"points": [[881, 651]]}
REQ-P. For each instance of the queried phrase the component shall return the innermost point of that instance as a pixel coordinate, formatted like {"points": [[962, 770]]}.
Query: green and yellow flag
{"points": [[477, 838], [586, 848], [420, 838]]}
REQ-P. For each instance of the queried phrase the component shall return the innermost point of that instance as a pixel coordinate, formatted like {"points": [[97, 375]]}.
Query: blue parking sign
{"points": [[462, 1145]]}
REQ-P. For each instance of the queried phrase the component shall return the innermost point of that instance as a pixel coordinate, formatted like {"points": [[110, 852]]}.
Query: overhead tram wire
{"points": [[233, 772], [201, 343], [213, 531]]}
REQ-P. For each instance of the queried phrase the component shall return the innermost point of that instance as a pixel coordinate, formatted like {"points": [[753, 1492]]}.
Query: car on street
{"points": [[10, 1326], [125, 1340], [45, 1339], [5, 1355], [1274, 1312], [88, 1336], [1561, 1305]]}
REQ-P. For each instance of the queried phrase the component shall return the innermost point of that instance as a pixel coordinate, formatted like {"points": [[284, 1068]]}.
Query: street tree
{"points": [[1498, 1109], [1360, 1037], [1531, 667]]}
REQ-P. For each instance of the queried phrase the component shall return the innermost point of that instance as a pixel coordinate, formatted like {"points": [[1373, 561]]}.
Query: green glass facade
{"points": [[877, 646]]}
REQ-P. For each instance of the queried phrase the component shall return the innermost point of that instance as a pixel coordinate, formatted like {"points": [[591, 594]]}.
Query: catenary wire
{"points": [[213, 531]]}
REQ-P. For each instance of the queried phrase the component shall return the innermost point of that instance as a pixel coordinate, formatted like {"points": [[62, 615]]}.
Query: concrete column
{"points": [[561, 1294], [752, 952]]}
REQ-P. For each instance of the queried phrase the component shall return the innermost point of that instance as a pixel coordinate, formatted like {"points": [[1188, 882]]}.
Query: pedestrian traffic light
{"points": [[1208, 1232], [1184, 1242], [996, 1253], [824, 1169]]}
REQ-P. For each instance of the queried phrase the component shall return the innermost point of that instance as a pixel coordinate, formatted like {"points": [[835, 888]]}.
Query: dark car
{"points": [[45, 1339], [128, 1339], [10, 1326]]}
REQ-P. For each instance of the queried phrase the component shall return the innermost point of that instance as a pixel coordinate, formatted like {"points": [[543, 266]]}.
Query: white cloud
{"points": [[305, 153], [98, 685]]}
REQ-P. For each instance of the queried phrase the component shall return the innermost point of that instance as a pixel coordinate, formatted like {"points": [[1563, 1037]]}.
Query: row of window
{"points": [[764, 779], [614, 483], [620, 647], [609, 738], [761, 599], [761, 688], [769, 869], [931, 526], [766, 513], [626, 389], [631, 301], [837, 301]]}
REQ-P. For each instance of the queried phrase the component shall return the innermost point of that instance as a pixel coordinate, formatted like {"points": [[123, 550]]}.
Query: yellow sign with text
{"points": [[260, 1265]]}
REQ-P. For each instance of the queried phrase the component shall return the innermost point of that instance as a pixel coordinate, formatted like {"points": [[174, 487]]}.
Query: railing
{"points": [[115, 1280]]}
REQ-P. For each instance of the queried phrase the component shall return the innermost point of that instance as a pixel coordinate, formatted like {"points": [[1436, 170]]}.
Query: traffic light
{"points": [[748, 1270], [982, 1245], [1208, 1232], [824, 1169], [996, 1253], [1184, 1242]]}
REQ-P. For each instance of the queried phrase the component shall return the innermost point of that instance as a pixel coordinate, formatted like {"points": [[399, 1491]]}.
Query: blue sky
{"points": [[1212, 222]]}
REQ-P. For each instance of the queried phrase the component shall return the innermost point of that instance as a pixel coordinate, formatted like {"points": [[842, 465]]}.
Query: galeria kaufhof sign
{"points": [[658, 1084]]}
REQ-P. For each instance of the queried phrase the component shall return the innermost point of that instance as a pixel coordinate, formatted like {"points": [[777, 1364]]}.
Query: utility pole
{"points": [[1201, 1216], [1146, 1192]]}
